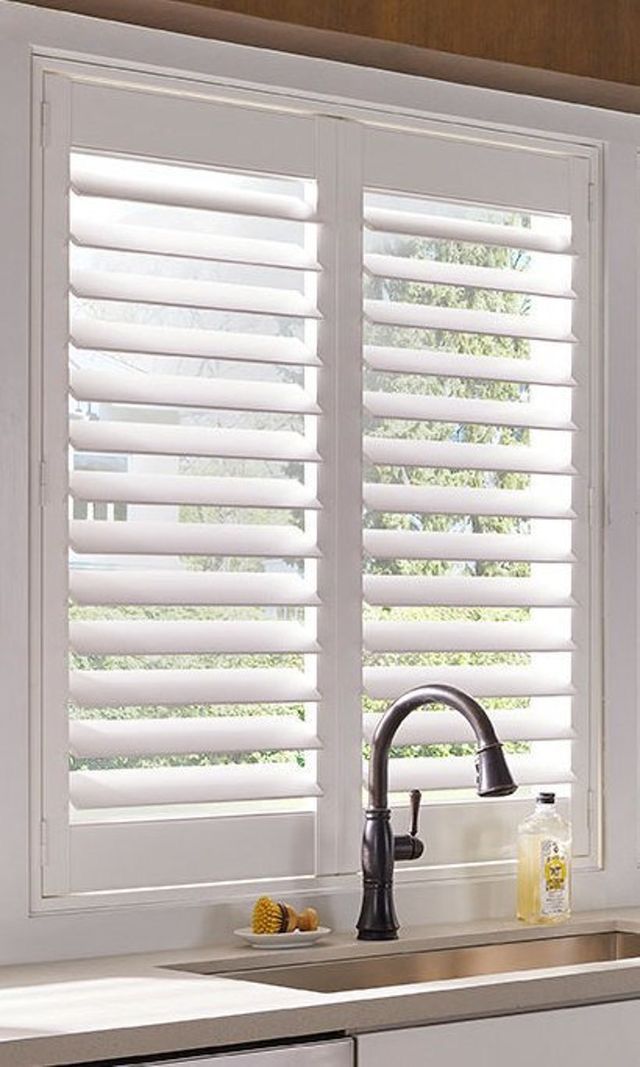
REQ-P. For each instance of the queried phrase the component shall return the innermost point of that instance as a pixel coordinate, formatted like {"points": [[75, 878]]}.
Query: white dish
{"points": [[296, 939]]}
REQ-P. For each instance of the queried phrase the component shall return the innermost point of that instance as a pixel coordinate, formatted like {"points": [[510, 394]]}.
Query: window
{"points": [[202, 538]]}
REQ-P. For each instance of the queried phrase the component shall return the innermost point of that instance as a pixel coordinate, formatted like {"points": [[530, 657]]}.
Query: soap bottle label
{"points": [[554, 878]]}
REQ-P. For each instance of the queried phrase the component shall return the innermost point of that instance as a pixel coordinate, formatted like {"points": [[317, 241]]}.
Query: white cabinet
{"points": [[581, 1037], [317, 1054]]}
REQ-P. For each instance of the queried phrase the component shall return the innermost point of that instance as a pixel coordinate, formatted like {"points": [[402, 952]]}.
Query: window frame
{"points": [[344, 679]]}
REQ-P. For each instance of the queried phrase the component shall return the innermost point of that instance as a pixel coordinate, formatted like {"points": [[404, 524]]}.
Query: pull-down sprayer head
{"points": [[493, 776]]}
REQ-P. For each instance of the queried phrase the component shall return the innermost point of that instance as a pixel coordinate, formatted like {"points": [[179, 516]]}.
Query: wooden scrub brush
{"points": [[272, 917]]}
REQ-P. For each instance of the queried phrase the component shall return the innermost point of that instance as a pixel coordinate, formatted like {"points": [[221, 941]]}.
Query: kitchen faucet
{"points": [[380, 848]]}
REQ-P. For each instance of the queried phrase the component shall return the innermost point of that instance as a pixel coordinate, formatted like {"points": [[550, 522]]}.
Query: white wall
{"points": [[26, 31]]}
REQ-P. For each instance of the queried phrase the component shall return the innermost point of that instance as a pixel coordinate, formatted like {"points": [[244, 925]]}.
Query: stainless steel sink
{"points": [[436, 965]]}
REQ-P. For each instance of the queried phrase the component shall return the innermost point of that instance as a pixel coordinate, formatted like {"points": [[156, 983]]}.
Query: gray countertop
{"points": [[115, 1007]]}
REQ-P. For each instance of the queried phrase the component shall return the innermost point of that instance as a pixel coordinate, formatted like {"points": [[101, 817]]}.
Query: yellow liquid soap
{"points": [[544, 864]]}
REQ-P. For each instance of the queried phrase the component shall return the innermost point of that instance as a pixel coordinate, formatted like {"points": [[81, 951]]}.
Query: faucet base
{"points": [[377, 935], [378, 920]]}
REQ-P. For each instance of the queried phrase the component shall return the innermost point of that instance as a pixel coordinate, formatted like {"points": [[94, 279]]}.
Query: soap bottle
{"points": [[544, 864]]}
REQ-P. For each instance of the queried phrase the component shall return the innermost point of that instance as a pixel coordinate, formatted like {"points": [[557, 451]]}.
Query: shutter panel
{"points": [[193, 428], [474, 492]]}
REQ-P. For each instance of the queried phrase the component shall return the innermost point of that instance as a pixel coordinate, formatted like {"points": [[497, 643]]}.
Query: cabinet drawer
{"points": [[317, 1054], [588, 1036]]}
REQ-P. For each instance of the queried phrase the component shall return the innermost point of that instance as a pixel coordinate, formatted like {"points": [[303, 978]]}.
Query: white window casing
{"points": [[202, 325]]}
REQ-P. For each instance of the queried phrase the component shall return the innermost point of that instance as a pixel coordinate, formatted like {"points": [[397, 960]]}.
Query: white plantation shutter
{"points": [[210, 683], [477, 473], [186, 327]]}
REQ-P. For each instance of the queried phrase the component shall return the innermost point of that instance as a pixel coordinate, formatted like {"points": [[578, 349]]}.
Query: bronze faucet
{"points": [[380, 848]]}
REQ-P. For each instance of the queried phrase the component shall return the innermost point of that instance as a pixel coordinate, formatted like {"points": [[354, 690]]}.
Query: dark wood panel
{"points": [[594, 38], [578, 50]]}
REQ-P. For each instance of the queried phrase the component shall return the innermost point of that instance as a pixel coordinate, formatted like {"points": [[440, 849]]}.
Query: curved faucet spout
{"points": [[380, 848], [496, 779]]}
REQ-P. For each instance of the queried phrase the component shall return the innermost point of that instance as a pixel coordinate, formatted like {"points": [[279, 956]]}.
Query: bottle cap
{"points": [[546, 798]]}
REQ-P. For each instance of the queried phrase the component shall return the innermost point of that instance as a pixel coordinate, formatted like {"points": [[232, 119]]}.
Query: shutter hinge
{"points": [[45, 123], [42, 483], [44, 844]]}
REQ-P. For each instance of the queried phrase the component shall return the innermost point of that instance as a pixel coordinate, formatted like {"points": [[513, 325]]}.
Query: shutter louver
{"points": [[193, 428], [472, 486]]}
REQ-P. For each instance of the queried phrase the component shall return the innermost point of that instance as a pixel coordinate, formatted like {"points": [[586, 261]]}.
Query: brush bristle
{"points": [[266, 917]]}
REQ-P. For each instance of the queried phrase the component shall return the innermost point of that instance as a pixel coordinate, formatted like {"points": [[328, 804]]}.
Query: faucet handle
{"points": [[409, 846], [415, 797]]}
